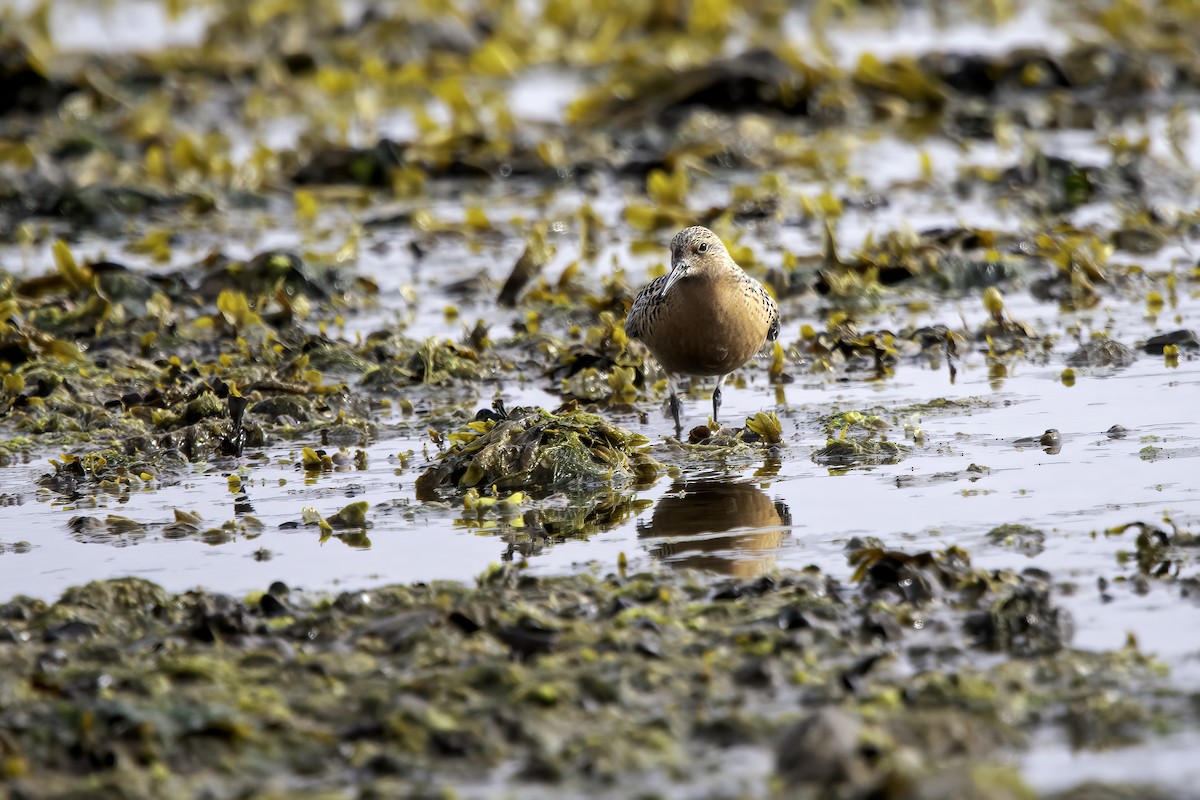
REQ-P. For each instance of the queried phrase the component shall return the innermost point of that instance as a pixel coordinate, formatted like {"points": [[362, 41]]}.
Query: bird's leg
{"points": [[674, 403], [717, 399]]}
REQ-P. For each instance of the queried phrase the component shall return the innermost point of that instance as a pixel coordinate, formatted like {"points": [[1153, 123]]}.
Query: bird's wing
{"points": [[644, 308], [757, 291], [773, 327]]}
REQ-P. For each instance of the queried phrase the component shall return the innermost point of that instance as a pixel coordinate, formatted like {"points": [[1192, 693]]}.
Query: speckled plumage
{"points": [[706, 317]]}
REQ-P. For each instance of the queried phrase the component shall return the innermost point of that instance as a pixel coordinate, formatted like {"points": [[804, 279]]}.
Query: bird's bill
{"points": [[678, 270]]}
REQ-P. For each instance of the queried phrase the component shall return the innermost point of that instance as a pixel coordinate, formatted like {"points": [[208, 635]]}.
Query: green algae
{"points": [[171, 393], [531, 448], [582, 682], [251, 309], [1160, 551], [1025, 539], [856, 438], [115, 529]]}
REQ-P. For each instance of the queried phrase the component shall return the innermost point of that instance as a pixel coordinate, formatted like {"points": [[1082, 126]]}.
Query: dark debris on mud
{"points": [[583, 684]]}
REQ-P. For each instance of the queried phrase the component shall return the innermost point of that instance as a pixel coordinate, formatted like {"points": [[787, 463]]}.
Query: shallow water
{"points": [[1094, 483], [925, 501]]}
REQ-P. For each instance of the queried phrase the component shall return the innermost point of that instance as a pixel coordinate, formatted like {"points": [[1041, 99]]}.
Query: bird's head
{"points": [[694, 251]]}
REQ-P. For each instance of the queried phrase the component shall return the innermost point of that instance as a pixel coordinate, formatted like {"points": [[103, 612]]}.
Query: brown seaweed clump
{"points": [[531, 448], [855, 439], [574, 686]]}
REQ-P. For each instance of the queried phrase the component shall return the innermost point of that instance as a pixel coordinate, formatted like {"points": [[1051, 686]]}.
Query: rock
{"points": [[822, 749]]}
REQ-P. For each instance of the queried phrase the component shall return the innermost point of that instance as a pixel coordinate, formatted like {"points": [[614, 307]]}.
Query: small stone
{"points": [[822, 749], [272, 607]]}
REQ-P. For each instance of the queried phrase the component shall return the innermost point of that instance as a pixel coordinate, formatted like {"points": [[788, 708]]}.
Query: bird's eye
{"points": [[703, 248]]}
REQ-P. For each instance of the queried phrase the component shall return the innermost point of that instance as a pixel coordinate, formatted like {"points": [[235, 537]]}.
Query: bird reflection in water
{"points": [[695, 517]]}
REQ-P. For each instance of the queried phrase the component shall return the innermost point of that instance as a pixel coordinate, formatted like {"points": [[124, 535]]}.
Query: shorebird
{"points": [[705, 317]]}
